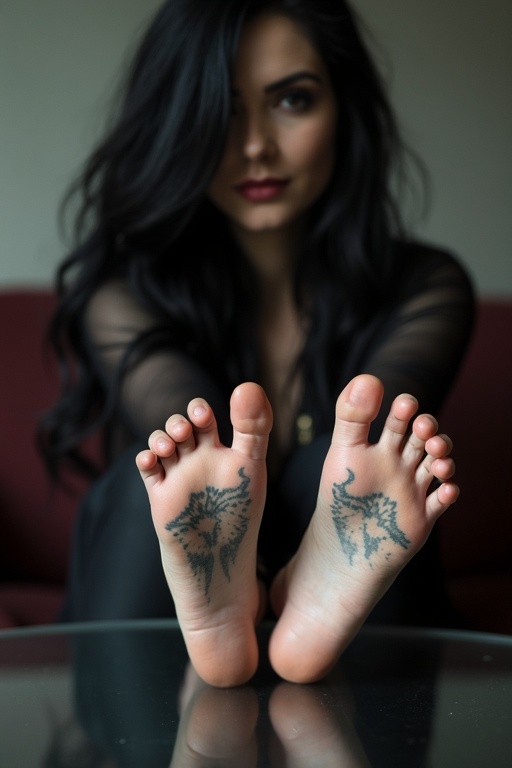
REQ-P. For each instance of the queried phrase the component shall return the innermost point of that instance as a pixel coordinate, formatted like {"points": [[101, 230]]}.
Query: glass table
{"points": [[123, 694]]}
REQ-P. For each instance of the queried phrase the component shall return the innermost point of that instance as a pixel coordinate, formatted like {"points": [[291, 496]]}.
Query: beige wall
{"points": [[59, 62], [449, 65]]}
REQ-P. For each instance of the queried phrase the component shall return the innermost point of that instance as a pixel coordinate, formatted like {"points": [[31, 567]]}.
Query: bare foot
{"points": [[373, 514], [207, 501]]}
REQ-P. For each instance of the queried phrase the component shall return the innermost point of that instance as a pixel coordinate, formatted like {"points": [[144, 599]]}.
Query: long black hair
{"points": [[144, 215]]}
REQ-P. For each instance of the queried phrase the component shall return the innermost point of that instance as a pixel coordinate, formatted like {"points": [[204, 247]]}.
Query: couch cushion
{"points": [[26, 604], [476, 535], [36, 523]]}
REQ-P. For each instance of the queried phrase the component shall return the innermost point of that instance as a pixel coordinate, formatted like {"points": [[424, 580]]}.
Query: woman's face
{"points": [[279, 152]]}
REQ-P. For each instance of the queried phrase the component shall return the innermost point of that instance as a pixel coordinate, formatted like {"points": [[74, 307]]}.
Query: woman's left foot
{"points": [[374, 512]]}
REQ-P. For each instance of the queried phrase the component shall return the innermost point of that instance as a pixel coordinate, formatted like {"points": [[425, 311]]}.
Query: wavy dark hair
{"points": [[144, 216]]}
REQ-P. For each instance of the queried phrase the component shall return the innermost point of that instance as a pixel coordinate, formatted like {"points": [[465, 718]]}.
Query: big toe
{"points": [[251, 417], [357, 406]]}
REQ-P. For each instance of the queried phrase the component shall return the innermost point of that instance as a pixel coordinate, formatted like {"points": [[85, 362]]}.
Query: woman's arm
{"points": [[156, 386], [418, 345]]}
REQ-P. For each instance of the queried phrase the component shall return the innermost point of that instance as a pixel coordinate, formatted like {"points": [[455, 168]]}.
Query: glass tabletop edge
{"points": [[397, 632]]}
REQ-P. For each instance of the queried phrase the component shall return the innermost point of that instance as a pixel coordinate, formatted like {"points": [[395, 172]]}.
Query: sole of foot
{"points": [[207, 502], [374, 512]]}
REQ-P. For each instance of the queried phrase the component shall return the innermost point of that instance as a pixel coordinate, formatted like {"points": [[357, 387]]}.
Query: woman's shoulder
{"points": [[113, 308], [422, 252], [417, 261], [111, 294]]}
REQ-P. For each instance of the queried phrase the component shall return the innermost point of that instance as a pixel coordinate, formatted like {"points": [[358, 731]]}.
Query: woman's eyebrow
{"points": [[285, 81], [290, 79]]}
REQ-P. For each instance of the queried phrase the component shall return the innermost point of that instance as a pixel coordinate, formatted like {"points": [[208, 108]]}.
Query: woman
{"points": [[238, 226]]}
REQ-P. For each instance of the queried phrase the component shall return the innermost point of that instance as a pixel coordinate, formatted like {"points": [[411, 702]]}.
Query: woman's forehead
{"points": [[273, 46]]}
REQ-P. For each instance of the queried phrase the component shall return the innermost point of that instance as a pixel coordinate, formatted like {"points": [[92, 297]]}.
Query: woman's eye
{"points": [[296, 100]]}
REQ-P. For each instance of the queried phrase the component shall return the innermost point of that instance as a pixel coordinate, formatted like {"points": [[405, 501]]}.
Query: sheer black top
{"points": [[413, 344]]}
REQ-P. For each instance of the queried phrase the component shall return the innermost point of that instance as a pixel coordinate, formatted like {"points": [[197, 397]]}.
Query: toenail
{"points": [[199, 410], [162, 443]]}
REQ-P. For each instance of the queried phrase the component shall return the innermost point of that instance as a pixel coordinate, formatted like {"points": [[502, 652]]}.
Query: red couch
{"points": [[36, 521], [476, 535]]}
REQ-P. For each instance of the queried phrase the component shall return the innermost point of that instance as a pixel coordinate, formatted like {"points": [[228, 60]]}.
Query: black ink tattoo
{"points": [[364, 520], [214, 521]]}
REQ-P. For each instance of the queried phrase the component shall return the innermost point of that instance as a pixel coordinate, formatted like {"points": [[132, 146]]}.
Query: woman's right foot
{"points": [[207, 502]]}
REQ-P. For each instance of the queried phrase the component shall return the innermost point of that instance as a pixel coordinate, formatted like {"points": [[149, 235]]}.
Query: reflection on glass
{"points": [[126, 696], [140, 703], [290, 725]]}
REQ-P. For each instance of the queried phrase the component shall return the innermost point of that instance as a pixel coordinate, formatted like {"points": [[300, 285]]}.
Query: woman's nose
{"points": [[258, 140]]}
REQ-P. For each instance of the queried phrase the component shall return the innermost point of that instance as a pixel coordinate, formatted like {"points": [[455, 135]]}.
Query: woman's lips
{"points": [[257, 190]]}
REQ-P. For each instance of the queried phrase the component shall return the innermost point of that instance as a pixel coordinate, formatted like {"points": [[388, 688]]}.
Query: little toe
{"points": [[146, 460], [251, 417], [440, 499], [357, 406], [149, 467]]}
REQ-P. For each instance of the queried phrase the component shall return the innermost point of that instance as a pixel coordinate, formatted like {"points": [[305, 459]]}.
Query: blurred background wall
{"points": [[449, 70]]}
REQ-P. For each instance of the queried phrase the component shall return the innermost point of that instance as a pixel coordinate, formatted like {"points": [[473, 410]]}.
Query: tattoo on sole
{"points": [[213, 525], [365, 523]]}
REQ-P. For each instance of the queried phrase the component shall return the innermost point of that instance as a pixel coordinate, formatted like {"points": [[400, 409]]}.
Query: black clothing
{"points": [[414, 344]]}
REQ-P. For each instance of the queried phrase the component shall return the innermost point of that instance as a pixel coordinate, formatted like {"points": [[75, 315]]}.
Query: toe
{"points": [[440, 499], [161, 444], [203, 422], [437, 462], [357, 407], [149, 467], [423, 429], [434, 469], [442, 469], [402, 410], [439, 446], [251, 416], [179, 429]]}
